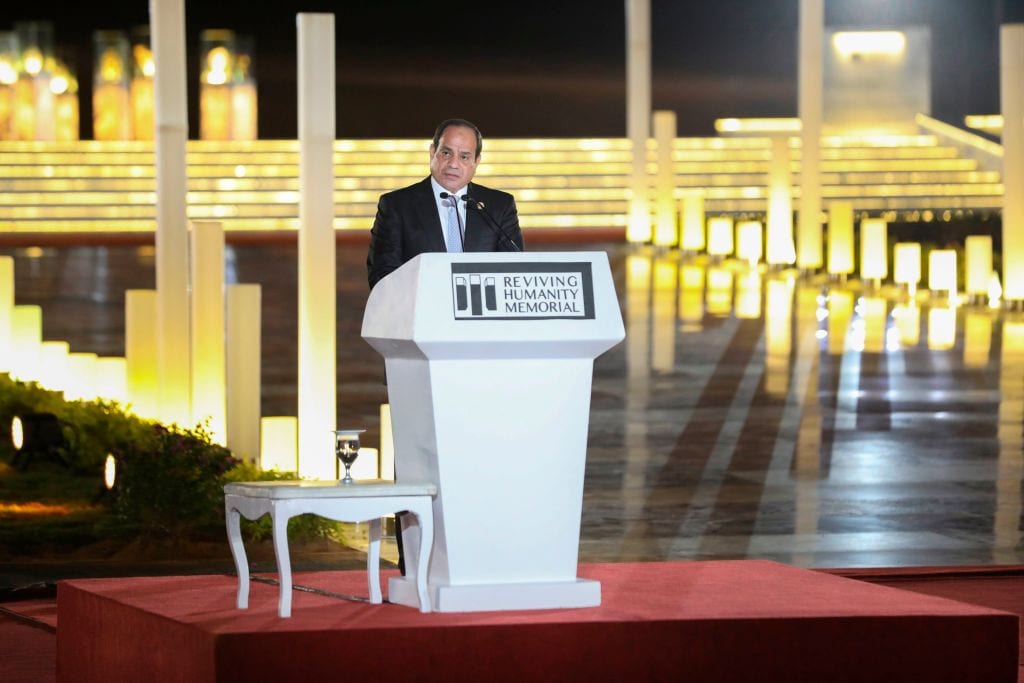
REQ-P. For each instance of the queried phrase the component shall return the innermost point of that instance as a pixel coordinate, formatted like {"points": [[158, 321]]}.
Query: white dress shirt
{"points": [[442, 209]]}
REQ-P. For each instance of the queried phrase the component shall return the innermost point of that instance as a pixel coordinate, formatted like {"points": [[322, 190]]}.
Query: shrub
{"points": [[173, 482]]}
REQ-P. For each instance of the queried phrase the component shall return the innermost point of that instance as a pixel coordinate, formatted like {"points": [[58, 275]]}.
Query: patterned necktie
{"points": [[453, 231]]}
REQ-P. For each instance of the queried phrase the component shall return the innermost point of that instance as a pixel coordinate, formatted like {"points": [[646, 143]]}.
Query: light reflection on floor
{"points": [[746, 414]]}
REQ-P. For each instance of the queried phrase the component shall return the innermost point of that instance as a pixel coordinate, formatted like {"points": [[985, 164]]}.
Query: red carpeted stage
{"points": [[746, 620]]}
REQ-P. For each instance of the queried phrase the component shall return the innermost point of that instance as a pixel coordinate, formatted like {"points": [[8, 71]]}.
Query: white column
{"points": [[6, 310], [140, 352], [167, 27], [810, 103], [317, 392], [638, 114], [665, 232], [779, 238], [977, 266], [243, 368], [209, 377], [1011, 103], [692, 219], [840, 238]]}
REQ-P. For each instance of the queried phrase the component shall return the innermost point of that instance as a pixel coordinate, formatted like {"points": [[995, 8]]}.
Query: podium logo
{"points": [[522, 291]]}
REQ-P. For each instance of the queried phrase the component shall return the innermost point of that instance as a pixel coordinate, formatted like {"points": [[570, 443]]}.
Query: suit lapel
{"points": [[426, 214], [474, 223]]}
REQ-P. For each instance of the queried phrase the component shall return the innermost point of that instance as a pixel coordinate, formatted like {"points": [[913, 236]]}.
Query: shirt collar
{"points": [[438, 190]]}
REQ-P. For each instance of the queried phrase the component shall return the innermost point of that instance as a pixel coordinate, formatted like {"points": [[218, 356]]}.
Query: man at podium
{"points": [[445, 211]]}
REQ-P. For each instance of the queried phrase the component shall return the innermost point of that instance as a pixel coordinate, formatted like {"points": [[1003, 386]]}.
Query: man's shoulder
{"points": [[419, 187], [478, 191]]}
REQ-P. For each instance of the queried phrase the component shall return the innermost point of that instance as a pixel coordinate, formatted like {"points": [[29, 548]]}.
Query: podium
{"points": [[489, 358]]}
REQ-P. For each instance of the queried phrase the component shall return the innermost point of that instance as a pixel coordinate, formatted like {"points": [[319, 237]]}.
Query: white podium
{"points": [[489, 360]]}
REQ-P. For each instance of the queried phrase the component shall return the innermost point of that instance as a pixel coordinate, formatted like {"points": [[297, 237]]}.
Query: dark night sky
{"points": [[551, 68]]}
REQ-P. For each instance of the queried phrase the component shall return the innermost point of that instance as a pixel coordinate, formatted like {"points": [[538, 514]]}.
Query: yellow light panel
{"points": [[850, 43]]}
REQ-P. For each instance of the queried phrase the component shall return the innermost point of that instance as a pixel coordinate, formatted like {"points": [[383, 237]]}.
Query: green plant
{"points": [[173, 482]]}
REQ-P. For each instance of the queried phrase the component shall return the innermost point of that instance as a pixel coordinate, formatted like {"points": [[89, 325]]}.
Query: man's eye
{"points": [[445, 153]]}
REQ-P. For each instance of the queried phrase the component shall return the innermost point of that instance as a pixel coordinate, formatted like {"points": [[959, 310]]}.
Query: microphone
{"points": [[491, 223]]}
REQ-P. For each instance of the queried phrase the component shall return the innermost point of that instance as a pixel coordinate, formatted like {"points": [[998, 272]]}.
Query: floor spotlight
{"points": [[35, 435]]}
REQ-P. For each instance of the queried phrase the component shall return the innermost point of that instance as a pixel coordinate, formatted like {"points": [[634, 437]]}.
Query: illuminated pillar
{"points": [[110, 381], [874, 263], [317, 370], [665, 233], [906, 265], [810, 105], [977, 266], [111, 96], [942, 272], [840, 238], [243, 92], [167, 19], [638, 113], [692, 219], [6, 310], [140, 352], [142, 84], [209, 378], [243, 371], [81, 377], [720, 238], [279, 443], [53, 364], [216, 55], [26, 340], [749, 242], [8, 81], [1011, 102], [779, 241]]}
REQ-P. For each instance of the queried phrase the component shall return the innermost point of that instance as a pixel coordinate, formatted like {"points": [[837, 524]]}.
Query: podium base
{"points": [[499, 597]]}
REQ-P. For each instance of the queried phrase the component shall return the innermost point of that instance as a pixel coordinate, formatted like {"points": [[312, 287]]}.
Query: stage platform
{"points": [[745, 620]]}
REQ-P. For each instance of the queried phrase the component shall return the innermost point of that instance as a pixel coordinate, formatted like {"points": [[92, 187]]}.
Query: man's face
{"points": [[453, 162]]}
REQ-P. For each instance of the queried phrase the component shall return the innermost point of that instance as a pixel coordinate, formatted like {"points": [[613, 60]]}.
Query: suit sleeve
{"points": [[509, 222], [385, 253]]}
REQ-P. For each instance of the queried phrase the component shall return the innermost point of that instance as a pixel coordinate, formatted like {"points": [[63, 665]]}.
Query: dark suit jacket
{"points": [[407, 225]]}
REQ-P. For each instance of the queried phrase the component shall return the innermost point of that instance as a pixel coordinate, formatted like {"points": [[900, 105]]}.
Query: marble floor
{"points": [[753, 415]]}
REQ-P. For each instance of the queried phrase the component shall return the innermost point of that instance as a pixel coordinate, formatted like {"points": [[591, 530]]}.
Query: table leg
{"points": [[233, 520], [279, 521], [373, 562]]}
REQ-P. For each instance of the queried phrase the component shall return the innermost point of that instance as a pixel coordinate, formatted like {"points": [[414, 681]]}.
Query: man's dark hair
{"points": [[458, 122]]}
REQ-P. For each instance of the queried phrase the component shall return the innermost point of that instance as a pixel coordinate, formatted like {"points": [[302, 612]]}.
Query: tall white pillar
{"points": [[167, 27], [140, 352], [317, 371], [1011, 103], [810, 104], [6, 310], [209, 376], [243, 371], [691, 217], [779, 240], [638, 114], [665, 231]]}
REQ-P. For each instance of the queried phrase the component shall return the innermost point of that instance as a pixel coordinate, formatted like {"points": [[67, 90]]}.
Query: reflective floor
{"points": [[746, 415]]}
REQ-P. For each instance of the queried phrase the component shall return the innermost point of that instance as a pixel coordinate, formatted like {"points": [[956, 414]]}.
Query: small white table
{"points": [[356, 502]]}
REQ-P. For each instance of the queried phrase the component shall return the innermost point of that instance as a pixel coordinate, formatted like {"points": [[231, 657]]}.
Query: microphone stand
{"points": [[491, 223]]}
